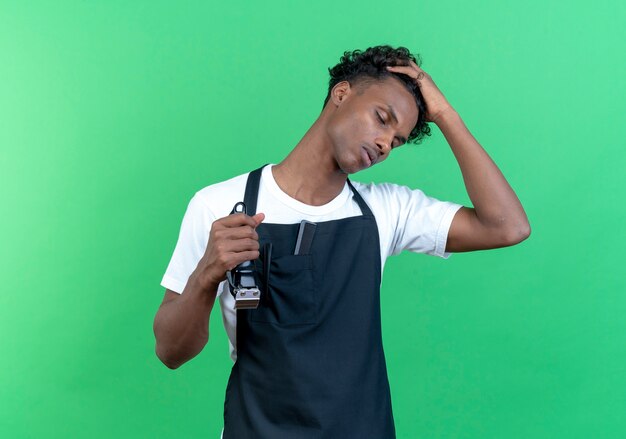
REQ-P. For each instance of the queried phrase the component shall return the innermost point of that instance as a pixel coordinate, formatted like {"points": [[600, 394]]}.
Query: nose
{"points": [[384, 145]]}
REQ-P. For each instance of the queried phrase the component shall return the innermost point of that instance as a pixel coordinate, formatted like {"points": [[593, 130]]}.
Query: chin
{"points": [[345, 165], [353, 168], [349, 163]]}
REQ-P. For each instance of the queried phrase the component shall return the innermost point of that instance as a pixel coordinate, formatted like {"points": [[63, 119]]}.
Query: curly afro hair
{"points": [[361, 68]]}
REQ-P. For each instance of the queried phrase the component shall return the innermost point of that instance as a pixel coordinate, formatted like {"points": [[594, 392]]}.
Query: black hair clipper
{"points": [[242, 279]]}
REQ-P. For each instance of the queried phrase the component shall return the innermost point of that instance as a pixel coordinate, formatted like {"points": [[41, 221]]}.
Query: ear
{"points": [[340, 92]]}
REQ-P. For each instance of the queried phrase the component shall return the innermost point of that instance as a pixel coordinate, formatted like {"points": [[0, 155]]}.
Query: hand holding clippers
{"points": [[242, 280]]}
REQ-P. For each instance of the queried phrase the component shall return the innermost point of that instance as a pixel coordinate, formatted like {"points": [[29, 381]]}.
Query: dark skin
{"points": [[358, 128], [349, 136]]}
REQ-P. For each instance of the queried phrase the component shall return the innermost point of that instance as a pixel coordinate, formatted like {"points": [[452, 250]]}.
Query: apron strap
{"points": [[365, 209], [252, 190]]}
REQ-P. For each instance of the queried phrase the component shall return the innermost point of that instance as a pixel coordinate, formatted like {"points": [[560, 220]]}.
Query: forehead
{"points": [[391, 92]]}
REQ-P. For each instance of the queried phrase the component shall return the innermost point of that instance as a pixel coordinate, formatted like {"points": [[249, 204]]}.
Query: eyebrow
{"points": [[393, 115]]}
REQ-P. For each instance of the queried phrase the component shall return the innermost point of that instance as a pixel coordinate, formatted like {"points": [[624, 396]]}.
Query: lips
{"points": [[369, 157]]}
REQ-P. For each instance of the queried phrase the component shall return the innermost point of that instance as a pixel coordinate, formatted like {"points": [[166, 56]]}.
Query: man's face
{"points": [[368, 123]]}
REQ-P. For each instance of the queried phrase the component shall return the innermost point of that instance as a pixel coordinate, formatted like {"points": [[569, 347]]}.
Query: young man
{"points": [[309, 361]]}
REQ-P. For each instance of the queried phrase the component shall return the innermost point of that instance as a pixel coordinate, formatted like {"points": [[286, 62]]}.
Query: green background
{"points": [[113, 114]]}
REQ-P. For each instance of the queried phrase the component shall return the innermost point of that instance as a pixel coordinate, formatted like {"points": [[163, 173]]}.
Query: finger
{"points": [[402, 66], [409, 71], [415, 65], [237, 258], [242, 232], [228, 247], [258, 218], [420, 71], [237, 220], [399, 67]]}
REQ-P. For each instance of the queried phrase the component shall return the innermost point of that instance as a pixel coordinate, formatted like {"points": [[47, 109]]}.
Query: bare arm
{"points": [[181, 325], [497, 218]]}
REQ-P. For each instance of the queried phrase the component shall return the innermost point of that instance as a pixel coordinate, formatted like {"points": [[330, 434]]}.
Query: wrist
{"points": [[444, 116], [203, 283]]}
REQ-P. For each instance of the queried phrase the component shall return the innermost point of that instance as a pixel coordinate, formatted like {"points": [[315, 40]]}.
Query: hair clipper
{"points": [[242, 279]]}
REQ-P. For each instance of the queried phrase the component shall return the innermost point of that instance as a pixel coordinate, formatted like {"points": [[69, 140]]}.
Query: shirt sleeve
{"points": [[422, 223], [192, 242]]}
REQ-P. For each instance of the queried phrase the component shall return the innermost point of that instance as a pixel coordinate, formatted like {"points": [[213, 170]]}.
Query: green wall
{"points": [[113, 113]]}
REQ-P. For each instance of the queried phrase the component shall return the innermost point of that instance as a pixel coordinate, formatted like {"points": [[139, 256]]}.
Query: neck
{"points": [[309, 173]]}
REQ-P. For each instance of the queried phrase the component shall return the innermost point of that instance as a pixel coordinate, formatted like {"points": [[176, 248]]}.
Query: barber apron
{"points": [[310, 360]]}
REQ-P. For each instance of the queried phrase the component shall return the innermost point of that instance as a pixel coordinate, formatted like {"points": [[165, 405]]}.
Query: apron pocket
{"points": [[291, 298]]}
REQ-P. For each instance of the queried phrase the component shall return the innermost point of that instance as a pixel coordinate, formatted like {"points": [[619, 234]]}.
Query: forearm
{"points": [[494, 201], [181, 326]]}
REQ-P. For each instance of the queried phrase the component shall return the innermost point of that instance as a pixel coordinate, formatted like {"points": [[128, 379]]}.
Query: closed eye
{"points": [[380, 118], [383, 122]]}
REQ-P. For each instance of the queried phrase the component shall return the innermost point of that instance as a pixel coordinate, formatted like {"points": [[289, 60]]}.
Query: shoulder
{"points": [[219, 198], [386, 200], [387, 194], [416, 221], [397, 204]]}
